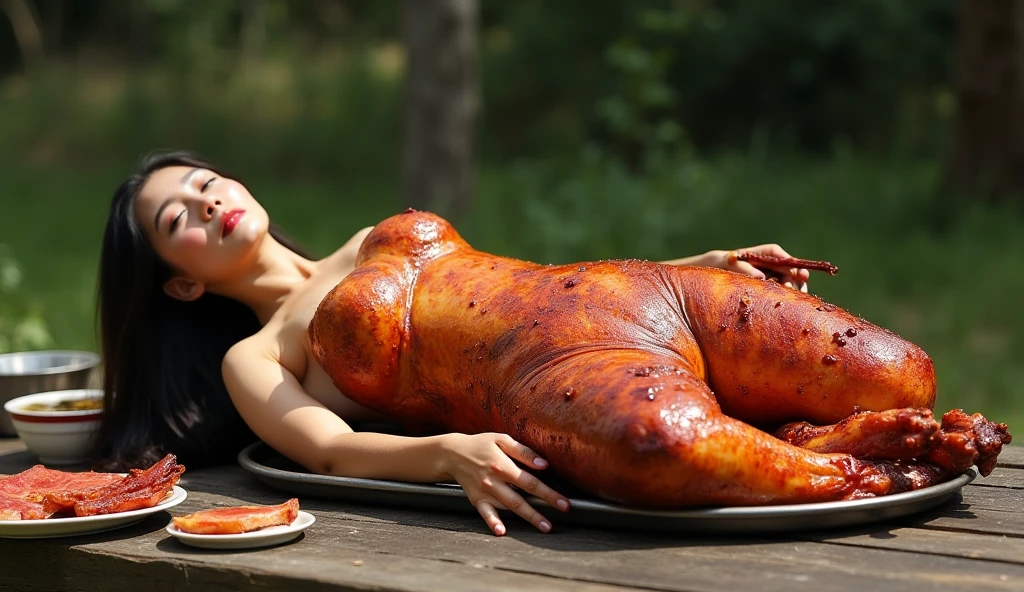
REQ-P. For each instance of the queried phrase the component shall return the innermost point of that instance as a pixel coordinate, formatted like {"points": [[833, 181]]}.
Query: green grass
{"points": [[942, 274]]}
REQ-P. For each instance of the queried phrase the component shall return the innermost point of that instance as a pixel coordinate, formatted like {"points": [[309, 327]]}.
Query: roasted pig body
{"points": [[640, 382]]}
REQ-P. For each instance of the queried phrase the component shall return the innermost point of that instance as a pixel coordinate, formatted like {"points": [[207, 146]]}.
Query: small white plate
{"points": [[62, 527], [265, 537]]}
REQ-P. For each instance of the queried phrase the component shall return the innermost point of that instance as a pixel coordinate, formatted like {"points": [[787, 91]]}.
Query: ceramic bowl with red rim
{"points": [[57, 426]]}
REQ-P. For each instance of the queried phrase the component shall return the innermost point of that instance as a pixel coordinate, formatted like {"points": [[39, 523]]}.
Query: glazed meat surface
{"points": [[237, 520], [640, 382], [39, 493]]}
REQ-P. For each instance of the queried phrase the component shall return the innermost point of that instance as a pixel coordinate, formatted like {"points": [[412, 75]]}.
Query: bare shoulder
{"points": [[348, 251], [271, 343], [260, 345], [359, 236]]}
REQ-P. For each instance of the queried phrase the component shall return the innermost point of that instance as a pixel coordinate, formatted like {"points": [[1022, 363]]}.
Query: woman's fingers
{"points": [[770, 249], [520, 452], [524, 479], [748, 269], [516, 503], [490, 516], [532, 485]]}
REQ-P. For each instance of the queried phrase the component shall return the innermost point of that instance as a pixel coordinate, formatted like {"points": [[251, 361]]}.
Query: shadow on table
{"points": [[176, 547], [363, 512], [18, 461], [955, 509]]}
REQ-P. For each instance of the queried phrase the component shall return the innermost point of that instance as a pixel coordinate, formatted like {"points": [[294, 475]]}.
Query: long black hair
{"points": [[162, 384]]}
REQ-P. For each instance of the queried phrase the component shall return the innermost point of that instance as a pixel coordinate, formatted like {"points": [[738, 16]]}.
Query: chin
{"points": [[252, 231]]}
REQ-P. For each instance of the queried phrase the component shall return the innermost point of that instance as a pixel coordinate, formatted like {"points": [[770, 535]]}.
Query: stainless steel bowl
{"points": [[25, 373]]}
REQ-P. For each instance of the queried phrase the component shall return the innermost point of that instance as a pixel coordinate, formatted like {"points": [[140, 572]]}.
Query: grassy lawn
{"points": [[944, 277]]}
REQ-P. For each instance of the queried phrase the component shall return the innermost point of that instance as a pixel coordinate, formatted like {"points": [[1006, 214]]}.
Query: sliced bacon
{"points": [[40, 493], [140, 489], [239, 519], [39, 480], [12, 508], [44, 490]]}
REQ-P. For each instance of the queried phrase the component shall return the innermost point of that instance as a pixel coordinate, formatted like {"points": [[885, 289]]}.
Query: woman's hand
{"points": [[483, 465], [791, 277]]}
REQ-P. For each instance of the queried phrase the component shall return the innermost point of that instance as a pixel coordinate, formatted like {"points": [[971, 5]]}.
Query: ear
{"points": [[181, 288]]}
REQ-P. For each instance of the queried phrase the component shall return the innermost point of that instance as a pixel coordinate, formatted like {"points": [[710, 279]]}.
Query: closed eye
{"points": [[174, 223], [207, 184]]}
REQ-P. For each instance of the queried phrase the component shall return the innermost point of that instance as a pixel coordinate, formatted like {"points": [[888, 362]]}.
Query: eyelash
{"points": [[205, 186], [174, 223]]}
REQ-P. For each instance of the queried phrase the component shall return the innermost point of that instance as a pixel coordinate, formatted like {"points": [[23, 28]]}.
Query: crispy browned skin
{"points": [[637, 381], [239, 519], [966, 440], [893, 434], [139, 489]]}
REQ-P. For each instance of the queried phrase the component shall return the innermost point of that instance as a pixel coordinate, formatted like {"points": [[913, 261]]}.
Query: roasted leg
{"points": [[894, 434]]}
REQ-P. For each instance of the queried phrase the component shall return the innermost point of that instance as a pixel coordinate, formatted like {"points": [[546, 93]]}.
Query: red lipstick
{"points": [[231, 219]]}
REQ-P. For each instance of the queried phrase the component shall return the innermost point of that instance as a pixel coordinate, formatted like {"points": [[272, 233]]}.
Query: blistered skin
{"points": [[967, 440], [637, 381], [896, 434]]}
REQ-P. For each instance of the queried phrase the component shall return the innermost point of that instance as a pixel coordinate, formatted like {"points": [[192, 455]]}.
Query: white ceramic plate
{"points": [[62, 527], [265, 537]]}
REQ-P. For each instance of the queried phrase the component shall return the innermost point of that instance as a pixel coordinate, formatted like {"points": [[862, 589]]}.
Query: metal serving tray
{"points": [[277, 471]]}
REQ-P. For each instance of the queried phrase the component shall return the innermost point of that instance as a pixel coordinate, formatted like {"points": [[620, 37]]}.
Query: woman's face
{"points": [[205, 226]]}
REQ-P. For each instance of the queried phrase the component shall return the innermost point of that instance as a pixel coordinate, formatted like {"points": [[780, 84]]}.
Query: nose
{"points": [[209, 208]]}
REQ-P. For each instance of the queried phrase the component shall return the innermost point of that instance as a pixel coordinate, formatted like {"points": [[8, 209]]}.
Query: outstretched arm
{"points": [[274, 404], [791, 277]]}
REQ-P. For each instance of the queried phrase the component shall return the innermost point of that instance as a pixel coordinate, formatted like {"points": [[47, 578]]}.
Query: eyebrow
{"points": [[184, 181]]}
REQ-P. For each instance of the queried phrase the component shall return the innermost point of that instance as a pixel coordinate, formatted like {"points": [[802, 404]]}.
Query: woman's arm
{"points": [[274, 404], [792, 277]]}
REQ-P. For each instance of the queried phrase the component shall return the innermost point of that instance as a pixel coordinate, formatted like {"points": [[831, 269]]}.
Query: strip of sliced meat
{"points": [[140, 489], [39, 492], [239, 519], [12, 508]]}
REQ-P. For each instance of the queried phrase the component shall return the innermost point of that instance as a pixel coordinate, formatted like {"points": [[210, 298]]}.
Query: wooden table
{"points": [[976, 544]]}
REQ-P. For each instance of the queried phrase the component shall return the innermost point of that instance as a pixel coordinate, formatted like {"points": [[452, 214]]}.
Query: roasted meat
{"points": [[39, 492], [239, 519], [641, 383]]}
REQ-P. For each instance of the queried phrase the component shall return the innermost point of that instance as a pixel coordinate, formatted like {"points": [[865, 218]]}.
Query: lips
{"points": [[231, 219]]}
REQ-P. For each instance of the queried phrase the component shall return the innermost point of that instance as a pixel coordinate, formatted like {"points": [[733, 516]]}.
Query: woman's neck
{"points": [[266, 283]]}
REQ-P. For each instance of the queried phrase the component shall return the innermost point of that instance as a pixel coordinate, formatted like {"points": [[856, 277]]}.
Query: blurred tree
{"points": [[988, 143], [20, 328], [441, 100], [25, 24]]}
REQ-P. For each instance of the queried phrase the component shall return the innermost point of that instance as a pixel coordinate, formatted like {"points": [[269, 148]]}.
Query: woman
{"points": [[204, 310]]}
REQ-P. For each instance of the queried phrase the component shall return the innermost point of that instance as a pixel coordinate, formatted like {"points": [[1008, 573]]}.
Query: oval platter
{"points": [[277, 471]]}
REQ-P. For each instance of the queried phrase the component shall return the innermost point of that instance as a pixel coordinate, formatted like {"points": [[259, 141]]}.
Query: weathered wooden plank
{"points": [[673, 563], [10, 445], [298, 567], [1003, 477], [937, 542], [457, 541], [1012, 456], [994, 498], [404, 557], [973, 516], [417, 550]]}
